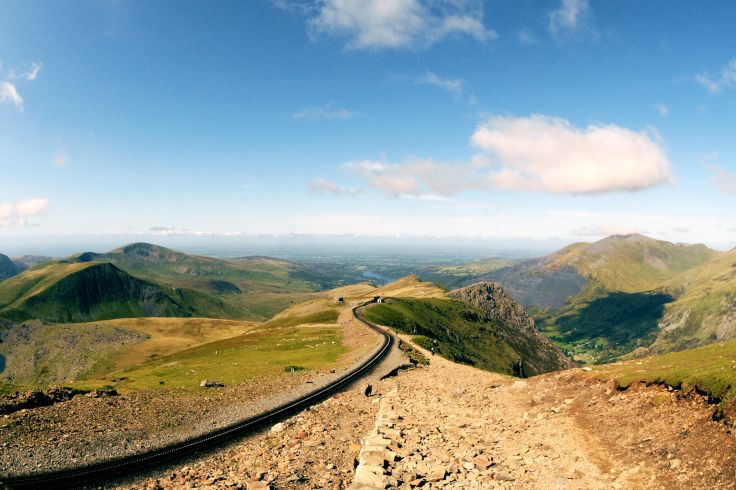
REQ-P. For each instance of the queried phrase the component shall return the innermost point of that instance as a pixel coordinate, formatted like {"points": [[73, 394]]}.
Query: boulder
{"points": [[210, 383]]}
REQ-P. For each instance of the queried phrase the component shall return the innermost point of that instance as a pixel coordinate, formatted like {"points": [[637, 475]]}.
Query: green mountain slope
{"points": [[77, 292], [479, 325], [705, 308], [629, 263], [258, 286], [514, 326], [604, 299], [7, 267]]}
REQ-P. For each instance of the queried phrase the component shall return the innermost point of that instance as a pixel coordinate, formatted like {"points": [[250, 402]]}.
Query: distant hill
{"points": [[479, 325], [28, 261], [258, 286], [629, 263], [604, 299], [7, 267], [78, 292]]}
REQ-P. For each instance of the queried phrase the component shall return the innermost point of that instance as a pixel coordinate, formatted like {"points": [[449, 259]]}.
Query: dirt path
{"points": [[458, 427], [453, 426]]}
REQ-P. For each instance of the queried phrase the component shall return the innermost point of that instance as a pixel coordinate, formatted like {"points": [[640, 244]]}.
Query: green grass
{"points": [[456, 330], [265, 354], [328, 315], [79, 292], [267, 285], [710, 370]]}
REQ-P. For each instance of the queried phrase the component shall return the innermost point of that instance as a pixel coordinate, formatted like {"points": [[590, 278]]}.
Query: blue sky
{"points": [[551, 121]]}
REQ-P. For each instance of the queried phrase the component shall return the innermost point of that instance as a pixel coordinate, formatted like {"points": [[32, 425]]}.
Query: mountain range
{"points": [[141, 279], [627, 293]]}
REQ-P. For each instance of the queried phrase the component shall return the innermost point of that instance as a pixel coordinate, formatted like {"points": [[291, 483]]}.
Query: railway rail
{"points": [[108, 469]]}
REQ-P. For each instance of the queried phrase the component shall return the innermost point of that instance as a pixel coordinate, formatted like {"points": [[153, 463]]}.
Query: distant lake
{"points": [[2, 363], [377, 277]]}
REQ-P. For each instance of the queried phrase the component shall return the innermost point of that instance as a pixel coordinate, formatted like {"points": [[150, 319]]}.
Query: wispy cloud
{"points": [[9, 94], [572, 20], [17, 214], [321, 185], [60, 158], [717, 83], [452, 85], [32, 74], [720, 177], [392, 24], [526, 38], [536, 153], [8, 88], [326, 112], [663, 110]]}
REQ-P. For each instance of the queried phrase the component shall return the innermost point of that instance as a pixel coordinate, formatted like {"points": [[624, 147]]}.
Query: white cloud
{"points": [[399, 23], [325, 112], [321, 185], [60, 159], [32, 74], [663, 110], [8, 87], [452, 85], [536, 153], [720, 178], [17, 214], [8, 93], [573, 19], [416, 178], [726, 79], [548, 154]]}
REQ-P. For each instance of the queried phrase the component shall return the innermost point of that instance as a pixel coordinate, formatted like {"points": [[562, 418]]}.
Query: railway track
{"points": [[105, 470]]}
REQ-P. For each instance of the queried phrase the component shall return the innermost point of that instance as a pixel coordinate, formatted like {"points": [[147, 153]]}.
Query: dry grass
{"points": [[166, 336]]}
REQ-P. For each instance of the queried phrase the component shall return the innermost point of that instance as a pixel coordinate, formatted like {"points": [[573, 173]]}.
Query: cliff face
{"points": [[538, 354]]}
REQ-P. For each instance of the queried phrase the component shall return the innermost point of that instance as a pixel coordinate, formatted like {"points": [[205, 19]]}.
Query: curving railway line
{"points": [[105, 470]]}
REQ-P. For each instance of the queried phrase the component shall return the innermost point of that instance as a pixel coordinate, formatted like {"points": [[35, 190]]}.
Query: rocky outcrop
{"points": [[538, 355], [14, 402]]}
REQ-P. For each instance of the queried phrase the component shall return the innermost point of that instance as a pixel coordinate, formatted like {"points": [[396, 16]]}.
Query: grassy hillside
{"points": [[604, 299], [705, 308], [631, 263], [710, 369], [258, 286], [77, 292], [256, 356], [455, 329], [514, 326], [42, 354]]}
